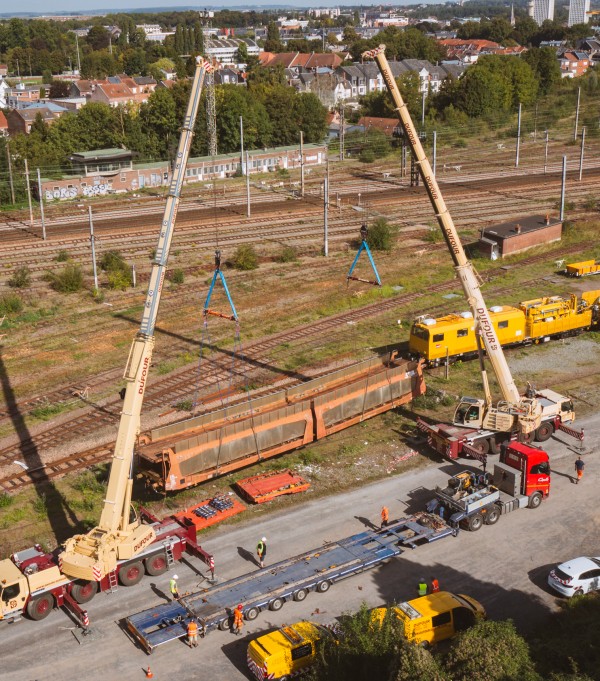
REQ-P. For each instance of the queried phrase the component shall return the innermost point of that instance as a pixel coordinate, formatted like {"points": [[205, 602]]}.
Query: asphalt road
{"points": [[504, 567]]}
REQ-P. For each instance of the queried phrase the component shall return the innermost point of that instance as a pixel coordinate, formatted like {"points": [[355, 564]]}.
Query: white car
{"points": [[577, 576]]}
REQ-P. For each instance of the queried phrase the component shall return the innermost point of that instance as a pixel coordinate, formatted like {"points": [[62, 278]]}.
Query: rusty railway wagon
{"points": [[187, 453]]}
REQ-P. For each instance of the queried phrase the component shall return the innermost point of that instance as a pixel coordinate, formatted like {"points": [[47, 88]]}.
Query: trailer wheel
{"points": [[83, 591], [224, 624], [323, 586], [276, 604], [475, 522], [492, 516], [156, 565], [251, 613], [39, 608], [535, 500], [131, 573], [300, 595], [544, 432]]}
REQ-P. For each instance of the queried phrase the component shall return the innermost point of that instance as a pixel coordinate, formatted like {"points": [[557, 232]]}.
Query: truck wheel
{"points": [[544, 432], [251, 613], [300, 595], [156, 565], [39, 608], [475, 522], [276, 604], [131, 573], [323, 586], [492, 516], [535, 500], [83, 591]]}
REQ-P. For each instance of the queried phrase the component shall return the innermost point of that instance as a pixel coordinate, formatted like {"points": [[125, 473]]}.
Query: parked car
{"points": [[576, 576]]}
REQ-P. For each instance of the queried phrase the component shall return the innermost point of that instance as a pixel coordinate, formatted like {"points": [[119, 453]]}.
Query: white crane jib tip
{"points": [[204, 63]]}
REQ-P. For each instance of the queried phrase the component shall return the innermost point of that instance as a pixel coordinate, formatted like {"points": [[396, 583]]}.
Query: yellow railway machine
{"points": [[583, 269], [533, 321]]}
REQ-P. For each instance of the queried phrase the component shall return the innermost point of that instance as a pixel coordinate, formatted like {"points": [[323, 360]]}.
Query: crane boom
{"points": [[93, 555], [464, 268]]}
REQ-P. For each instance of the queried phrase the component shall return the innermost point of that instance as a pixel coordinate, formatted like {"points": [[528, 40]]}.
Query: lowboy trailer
{"points": [[289, 580]]}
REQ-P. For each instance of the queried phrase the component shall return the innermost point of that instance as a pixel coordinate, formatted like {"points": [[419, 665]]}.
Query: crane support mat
{"points": [[213, 607], [211, 511], [261, 488]]}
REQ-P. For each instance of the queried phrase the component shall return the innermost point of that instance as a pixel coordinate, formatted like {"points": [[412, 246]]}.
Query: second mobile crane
{"points": [[124, 544], [486, 424]]}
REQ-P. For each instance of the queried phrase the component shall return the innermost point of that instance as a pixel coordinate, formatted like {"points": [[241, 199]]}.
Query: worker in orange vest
{"points": [[238, 619], [385, 516], [192, 633], [435, 585]]}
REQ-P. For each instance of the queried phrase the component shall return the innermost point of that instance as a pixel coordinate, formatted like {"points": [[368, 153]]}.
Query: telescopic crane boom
{"points": [[120, 534], [526, 409]]}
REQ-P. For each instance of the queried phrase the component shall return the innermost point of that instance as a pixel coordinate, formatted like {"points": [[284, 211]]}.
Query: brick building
{"points": [[516, 236]]}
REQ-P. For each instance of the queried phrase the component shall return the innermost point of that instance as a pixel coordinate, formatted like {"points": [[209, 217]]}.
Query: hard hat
{"points": [[240, 607], [264, 539], [175, 577]]}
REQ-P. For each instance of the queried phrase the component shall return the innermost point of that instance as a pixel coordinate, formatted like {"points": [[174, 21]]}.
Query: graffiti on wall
{"points": [[62, 193]]}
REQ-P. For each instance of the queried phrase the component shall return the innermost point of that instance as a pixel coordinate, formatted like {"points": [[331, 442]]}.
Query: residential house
{"points": [[574, 64], [228, 77], [21, 96], [591, 46], [3, 70], [84, 88], [21, 120], [468, 51], [4, 88], [3, 125], [115, 94], [388, 126]]}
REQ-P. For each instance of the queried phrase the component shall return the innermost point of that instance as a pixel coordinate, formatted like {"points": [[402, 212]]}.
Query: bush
{"points": [[10, 303], [63, 256], [119, 280], [366, 156], [21, 278], [380, 235], [177, 276], [68, 280], [289, 254], [113, 261], [245, 258]]}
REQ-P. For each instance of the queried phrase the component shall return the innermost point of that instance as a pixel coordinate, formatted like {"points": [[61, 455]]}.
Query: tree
{"points": [[241, 54], [493, 651], [545, 66], [134, 62], [310, 116], [273, 41], [159, 116], [366, 648], [59, 89], [98, 38], [198, 38]]}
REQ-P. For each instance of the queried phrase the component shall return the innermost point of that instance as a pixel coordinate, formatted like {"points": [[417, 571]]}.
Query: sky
{"points": [[58, 6]]}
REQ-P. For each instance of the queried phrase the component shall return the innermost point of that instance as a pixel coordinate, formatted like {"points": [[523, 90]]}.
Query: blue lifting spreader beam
{"points": [[219, 275], [364, 246]]}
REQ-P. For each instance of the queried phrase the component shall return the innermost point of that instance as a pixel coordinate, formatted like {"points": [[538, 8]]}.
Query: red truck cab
{"points": [[534, 467]]}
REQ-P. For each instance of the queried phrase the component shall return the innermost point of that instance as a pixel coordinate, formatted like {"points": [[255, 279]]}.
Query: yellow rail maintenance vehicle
{"points": [[532, 321], [285, 652], [583, 269]]}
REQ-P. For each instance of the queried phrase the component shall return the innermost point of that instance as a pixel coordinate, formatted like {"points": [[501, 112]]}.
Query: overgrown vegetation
{"points": [[245, 257], [68, 280], [380, 235], [118, 272], [178, 276], [21, 277], [10, 303]]}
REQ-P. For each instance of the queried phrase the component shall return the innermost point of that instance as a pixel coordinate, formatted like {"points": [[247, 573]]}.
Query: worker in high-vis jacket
{"points": [[261, 551], [238, 619], [422, 587], [173, 588], [192, 633]]}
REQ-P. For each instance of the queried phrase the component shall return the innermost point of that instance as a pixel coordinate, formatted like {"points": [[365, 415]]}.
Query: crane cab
{"points": [[14, 590], [470, 413]]}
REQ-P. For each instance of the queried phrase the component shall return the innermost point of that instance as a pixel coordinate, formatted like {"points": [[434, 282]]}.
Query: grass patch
{"points": [[46, 411]]}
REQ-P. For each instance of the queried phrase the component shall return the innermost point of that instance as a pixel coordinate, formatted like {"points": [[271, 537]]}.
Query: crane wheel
{"points": [[544, 432], [83, 591], [156, 565], [131, 573], [40, 607]]}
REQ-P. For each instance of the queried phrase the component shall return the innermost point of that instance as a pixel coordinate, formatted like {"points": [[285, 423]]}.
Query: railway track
{"points": [[184, 383]]}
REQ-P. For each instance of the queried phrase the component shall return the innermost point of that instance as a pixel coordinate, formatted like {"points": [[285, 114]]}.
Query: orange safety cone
{"points": [[149, 674]]}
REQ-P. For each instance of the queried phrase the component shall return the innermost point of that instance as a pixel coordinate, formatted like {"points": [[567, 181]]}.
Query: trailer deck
{"points": [[290, 579]]}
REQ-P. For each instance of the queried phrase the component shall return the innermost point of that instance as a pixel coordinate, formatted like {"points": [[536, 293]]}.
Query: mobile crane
{"points": [[515, 413], [123, 544]]}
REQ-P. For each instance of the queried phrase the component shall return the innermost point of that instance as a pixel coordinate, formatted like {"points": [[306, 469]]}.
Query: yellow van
{"points": [[285, 652], [438, 616]]}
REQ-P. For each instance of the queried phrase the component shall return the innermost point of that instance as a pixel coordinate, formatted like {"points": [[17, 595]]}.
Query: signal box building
{"points": [[516, 236]]}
